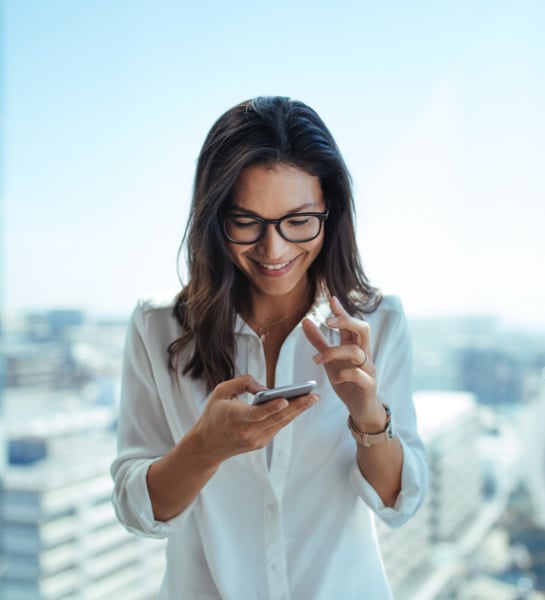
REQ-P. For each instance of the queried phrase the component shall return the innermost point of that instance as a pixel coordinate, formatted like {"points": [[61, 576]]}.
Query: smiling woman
{"points": [[276, 266], [277, 260], [267, 141], [276, 293]]}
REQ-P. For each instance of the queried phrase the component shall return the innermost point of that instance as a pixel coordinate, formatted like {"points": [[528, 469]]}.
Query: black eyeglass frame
{"points": [[322, 216]]}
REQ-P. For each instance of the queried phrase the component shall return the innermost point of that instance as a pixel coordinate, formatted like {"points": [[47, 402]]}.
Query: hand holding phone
{"points": [[289, 392]]}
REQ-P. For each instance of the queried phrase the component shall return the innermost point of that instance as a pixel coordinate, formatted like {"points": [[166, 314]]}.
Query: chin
{"points": [[278, 288]]}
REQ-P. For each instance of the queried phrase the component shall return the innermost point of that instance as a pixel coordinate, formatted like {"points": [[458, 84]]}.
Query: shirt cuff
{"points": [[410, 498], [136, 513]]}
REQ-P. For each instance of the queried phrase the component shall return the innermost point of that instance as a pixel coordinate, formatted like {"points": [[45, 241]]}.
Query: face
{"points": [[274, 266]]}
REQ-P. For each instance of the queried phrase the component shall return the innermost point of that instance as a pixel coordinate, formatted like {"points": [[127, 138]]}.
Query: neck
{"points": [[282, 311]]}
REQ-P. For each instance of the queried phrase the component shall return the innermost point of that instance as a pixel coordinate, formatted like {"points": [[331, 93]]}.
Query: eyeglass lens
{"points": [[295, 228]]}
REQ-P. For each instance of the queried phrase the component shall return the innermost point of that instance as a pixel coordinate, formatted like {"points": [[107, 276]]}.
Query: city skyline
{"points": [[437, 111], [60, 428]]}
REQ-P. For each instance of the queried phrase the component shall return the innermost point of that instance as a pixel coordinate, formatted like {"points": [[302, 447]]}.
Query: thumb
{"points": [[236, 386]]}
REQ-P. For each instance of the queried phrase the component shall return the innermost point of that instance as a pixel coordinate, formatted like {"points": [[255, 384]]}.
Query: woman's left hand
{"points": [[349, 366]]}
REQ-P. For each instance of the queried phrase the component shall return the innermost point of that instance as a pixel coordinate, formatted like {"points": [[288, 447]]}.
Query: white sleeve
{"points": [[393, 361], [143, 436]]}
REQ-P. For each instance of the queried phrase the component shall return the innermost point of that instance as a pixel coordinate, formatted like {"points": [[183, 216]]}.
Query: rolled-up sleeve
{"points": [[393, 361], [143, 436]]}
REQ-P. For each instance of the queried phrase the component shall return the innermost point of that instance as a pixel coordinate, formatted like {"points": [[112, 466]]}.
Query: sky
{"points": [[436, 106]]}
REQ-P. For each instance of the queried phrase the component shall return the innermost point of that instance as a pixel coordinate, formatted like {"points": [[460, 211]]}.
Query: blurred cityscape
{"points": [[481, 406]]}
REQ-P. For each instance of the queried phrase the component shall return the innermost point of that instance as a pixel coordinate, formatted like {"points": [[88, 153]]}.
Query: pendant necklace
{"points": [[264, 330]]}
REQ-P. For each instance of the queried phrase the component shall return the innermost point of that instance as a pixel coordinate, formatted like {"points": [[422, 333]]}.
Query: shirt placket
{"points": [[272, 480]]}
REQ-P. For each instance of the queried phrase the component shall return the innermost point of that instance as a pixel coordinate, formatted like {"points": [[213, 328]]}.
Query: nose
{"points": [[272, 245]]}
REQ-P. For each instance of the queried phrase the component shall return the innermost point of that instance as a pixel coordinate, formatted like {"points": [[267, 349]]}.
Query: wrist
{"points": [[372, 422], [197, 440], [369, 438]]}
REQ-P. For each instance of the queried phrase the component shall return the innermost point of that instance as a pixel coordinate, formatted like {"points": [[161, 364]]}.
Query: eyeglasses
{"points": [[297, 227]]}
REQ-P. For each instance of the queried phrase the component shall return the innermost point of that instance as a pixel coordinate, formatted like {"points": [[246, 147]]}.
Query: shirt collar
{"points": [[318, 313]]}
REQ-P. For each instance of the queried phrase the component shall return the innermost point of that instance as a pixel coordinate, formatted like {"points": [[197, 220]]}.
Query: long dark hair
{"points": [[264, 131]]}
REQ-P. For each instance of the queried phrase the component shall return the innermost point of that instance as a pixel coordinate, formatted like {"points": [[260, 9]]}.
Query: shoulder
{"points": [[389, 318], [390, 305], [154, 317]]}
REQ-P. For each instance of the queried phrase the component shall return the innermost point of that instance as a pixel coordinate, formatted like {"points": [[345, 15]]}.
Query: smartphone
{"points": [[287, 391]]}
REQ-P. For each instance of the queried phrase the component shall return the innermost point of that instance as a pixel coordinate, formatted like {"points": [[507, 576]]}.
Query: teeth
{"points": [[275, 267]]}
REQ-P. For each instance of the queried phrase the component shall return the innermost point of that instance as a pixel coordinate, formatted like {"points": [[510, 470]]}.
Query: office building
{"points": [[59, 534], [448, 424]]}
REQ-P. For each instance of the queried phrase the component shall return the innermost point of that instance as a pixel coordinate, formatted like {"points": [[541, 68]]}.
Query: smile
{"points": [[276, 267]]}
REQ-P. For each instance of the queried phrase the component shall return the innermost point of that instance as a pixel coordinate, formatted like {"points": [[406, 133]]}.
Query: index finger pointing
{"points": [[352, 329], [314, 335], [339, 312]]}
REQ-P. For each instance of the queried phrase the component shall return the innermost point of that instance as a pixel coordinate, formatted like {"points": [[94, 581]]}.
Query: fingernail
{"points": [[332, 320], [317, 358]]}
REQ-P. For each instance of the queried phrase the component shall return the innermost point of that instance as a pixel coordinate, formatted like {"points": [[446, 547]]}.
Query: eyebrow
{"points": [[247, 211]]}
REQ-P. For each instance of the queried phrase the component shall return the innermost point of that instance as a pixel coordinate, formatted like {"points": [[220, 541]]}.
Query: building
{"points": [[417, 555], [59, 536]]}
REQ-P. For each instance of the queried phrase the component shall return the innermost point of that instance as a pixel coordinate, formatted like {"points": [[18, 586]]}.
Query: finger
{"points": [[352, 330], [347, 352], [267, 429], [295, 407], [303, 402], [273, 408], [357, 376], [314, 335], [263, 411], [236, 386]]}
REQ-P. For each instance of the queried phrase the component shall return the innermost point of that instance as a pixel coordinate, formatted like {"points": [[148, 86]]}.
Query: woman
{"points": [[272, 500]]}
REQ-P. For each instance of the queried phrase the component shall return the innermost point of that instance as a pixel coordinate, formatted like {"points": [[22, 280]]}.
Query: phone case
{"points": [[288, 391]]}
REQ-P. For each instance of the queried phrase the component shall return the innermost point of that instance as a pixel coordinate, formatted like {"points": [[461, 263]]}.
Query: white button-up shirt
{"points": [[298, 526]]}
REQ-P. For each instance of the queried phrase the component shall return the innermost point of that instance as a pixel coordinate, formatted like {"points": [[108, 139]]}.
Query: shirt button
{"points": [[280, 460], [274, 567], [269, 507]]}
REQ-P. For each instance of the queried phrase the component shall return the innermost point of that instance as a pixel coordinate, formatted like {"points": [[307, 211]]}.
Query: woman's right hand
{"points": [[229, 427]]}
